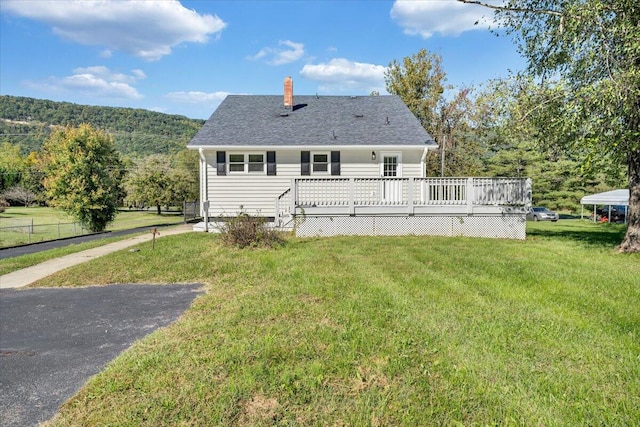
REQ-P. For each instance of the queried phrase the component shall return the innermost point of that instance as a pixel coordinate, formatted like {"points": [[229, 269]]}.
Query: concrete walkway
{"points": [[31, 274]]}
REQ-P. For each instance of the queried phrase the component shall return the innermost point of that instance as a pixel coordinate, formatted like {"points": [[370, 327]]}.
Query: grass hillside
{"points": [[411, 331]]}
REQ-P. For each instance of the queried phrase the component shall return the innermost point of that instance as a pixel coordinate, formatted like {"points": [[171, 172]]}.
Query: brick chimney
{"points": [[288, 92]]}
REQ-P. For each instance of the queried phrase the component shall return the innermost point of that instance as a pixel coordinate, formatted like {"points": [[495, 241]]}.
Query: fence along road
{"points": [[22, 231], [31, 274], [14, 231]]}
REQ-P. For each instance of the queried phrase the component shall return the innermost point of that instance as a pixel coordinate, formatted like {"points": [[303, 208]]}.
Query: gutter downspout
{"points": [[204, 193], [423, 174], [422, 162]]}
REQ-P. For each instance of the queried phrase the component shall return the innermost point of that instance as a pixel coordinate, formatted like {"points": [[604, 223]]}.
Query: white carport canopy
{"points": [[608, 198]]}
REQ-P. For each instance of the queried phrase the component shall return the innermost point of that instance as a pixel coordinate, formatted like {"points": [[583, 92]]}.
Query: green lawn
{"points": [[379, 331], [19, 225]]}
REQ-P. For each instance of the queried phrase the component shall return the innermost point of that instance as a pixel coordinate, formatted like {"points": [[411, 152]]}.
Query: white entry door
{"points": [[391, 167]]}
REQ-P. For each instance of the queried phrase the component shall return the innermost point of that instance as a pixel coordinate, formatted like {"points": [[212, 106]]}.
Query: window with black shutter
{"points": [[305, 163], [271, 162], [335, 163], [221, 157]]}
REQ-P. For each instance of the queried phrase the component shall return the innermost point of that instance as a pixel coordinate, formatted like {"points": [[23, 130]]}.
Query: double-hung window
{"points": [[236, 163], [255, 163], [246, 163], [320, 163]]}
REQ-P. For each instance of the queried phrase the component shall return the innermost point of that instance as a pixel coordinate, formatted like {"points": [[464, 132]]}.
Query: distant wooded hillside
{"points": [[27, 122]]}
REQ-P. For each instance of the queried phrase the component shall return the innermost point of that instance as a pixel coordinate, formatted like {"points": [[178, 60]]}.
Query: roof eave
{"points": [[315, 147]]}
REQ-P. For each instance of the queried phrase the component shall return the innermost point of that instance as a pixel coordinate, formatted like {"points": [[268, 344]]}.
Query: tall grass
{"points": [[379, 331]]}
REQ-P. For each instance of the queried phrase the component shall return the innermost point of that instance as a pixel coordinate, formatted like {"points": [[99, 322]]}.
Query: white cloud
{"points": [[96, 82], [196, 104], [341, 75], [102, 72], [448, 18], [197, 97], [139, 74], [291, 52], [146, 29]]}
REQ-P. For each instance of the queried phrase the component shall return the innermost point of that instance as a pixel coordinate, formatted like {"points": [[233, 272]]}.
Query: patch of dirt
{"points": [[368, 378], [259, 409]]}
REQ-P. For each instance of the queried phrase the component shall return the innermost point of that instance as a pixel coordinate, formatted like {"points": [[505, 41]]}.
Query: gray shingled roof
{"points": [[262, 120]]}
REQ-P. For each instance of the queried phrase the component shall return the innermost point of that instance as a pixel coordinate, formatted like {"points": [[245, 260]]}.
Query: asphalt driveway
{"points": [[53, 340]]}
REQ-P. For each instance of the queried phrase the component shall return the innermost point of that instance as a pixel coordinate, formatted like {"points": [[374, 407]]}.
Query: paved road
{"points": [[53, 340]]}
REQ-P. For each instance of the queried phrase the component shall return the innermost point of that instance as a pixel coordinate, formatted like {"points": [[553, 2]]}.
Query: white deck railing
{"points": [[353, 193]]}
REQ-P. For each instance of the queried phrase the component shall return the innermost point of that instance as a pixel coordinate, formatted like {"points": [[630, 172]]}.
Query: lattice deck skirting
{"points": [[490, 226]]}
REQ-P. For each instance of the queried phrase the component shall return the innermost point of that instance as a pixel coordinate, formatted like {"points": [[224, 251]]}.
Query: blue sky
{"points": [[184, 57]]}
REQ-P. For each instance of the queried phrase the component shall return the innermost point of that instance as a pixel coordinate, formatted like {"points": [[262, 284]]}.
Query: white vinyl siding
{"points": [[252, 192], [411, 166], [256, 193], [358, 163]]}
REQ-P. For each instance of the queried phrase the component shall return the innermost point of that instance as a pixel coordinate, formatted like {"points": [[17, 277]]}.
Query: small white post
{"points": [[352, 203], [294, 196], [411, 207], [205, 212], [470, 195]]}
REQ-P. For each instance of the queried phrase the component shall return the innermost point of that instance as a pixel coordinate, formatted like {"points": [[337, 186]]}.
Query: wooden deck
{"points": [[404, 197]]}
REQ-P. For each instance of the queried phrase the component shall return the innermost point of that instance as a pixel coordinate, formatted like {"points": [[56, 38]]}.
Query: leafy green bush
{"points": [[245, 230]]}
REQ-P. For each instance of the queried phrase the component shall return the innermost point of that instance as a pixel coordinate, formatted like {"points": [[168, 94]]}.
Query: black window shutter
{"points": [[271, 162], [305, 163], [221, 167], [335, 163]]}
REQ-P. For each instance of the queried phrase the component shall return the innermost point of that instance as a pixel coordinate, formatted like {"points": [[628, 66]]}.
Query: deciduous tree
{"points": [[82, 175], [149, 183], [12, 165], [162, 180], [20, 194], [186, 175], [32, 177], [590, 52], [419, 82]]}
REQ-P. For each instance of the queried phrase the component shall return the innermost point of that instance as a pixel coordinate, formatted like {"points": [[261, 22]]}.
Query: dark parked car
{"points": [[539, 213]]}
